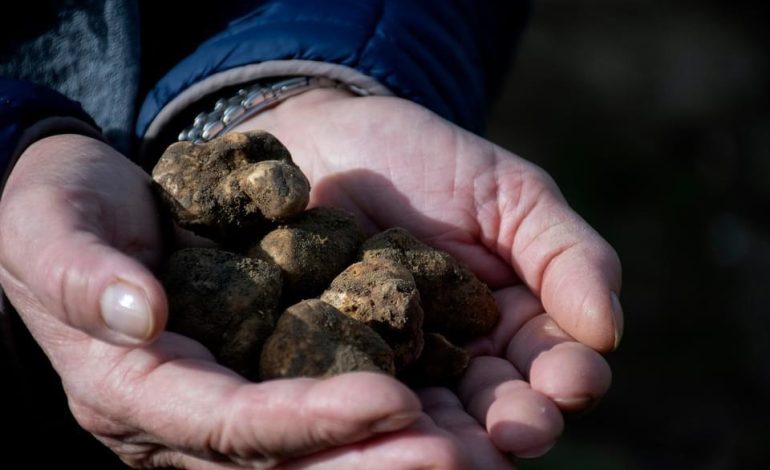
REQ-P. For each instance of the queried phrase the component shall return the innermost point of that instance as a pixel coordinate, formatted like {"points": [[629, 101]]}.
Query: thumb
{"points": [[77, 252], [97, 289], [83, 282], [573, 270]]}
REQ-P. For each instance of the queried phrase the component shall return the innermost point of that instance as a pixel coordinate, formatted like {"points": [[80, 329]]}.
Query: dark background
{"points": [[653, 118]]}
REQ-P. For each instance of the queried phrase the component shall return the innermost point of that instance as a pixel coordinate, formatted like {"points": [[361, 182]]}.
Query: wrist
{"points": [[249, 101], [295, 109]]}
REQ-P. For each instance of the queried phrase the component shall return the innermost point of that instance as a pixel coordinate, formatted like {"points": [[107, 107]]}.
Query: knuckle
{"points": [[541, 177]]}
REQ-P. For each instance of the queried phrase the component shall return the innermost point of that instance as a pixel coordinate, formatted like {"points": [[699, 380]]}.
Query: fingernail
{"points": [[394, 422], [617, 313], [573, 403], [535, 451], [125, 309]]}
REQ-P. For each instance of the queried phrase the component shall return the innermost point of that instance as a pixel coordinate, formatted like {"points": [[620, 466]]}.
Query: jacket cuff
{"points": [[29, 112], [447, 56], [181, 105], [44, 128]]}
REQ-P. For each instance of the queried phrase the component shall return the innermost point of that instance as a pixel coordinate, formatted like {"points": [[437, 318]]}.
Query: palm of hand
{"points": [[396, 164], [393, 164], [168, 403]]}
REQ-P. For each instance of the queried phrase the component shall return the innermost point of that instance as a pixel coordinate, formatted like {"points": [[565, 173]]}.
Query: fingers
{"points": [[421, 446], [175, 459], [200, 408], [80, 280], [576, 273], [559, 256], [518, 419], [568, 372], [517, 306], [78, 225], [445, 409]]}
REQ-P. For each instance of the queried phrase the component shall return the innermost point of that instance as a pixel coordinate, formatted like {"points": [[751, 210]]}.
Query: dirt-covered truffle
{"points": [[223, 300], [383, 295], [312, 249], [242, 345], [456, 303], [441, 363], [231, 185], [244, 192], [314, 339]]}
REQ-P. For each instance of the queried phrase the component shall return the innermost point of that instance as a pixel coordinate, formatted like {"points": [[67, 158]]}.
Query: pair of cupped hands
{"points": [[81, 236]]}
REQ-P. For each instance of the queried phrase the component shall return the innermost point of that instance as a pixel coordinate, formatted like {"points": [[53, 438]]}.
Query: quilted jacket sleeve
{"points": [[25, 105], [448, 55]]}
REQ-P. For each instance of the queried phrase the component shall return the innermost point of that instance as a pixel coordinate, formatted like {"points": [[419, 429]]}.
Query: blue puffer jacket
{"points": [[448, 55]]}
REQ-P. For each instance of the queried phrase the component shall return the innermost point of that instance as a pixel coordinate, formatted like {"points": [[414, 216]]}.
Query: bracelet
{"points": [[229, 112]]}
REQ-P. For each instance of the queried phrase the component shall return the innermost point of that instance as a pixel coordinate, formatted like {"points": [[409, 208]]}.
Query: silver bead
{"points": [[199, 119], [269, 95], [211, 130], [232, 113], [252, 99], [248, 101], [194, 134]]}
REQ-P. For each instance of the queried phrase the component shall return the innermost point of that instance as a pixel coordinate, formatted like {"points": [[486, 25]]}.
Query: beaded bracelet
{"points": [[229, 112]]}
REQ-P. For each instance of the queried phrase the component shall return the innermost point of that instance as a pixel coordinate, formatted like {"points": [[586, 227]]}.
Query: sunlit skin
{"points": [[76, 216]]}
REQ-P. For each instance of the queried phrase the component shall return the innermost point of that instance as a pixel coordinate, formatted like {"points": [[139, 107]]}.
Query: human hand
{"points": [[78, 232], [556, 280]]}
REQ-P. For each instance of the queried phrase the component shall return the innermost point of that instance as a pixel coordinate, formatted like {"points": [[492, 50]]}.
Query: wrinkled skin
{"points": [[75, 216]]}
